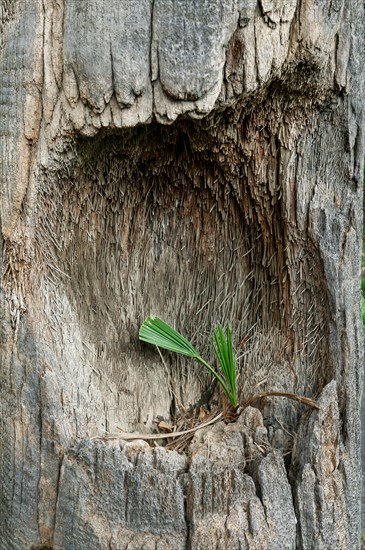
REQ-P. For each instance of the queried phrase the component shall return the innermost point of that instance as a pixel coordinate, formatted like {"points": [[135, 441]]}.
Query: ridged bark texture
{"points": [[202, 161]]}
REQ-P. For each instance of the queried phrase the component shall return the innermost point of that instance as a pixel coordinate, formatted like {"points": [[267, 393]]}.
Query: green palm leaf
{"points": [[222, 345], [157, 332]]}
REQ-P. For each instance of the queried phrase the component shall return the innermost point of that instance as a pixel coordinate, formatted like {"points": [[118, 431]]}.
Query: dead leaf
{"points": [[165, 426]]}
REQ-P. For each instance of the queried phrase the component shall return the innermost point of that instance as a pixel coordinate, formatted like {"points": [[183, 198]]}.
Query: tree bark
{"points": [[201, 161]]}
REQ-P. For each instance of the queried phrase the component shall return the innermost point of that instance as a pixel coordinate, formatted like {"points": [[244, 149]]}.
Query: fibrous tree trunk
{"points": [[201, 161]]}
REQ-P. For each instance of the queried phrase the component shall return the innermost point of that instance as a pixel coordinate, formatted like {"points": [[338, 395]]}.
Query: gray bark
{"points": [[202, 161]]}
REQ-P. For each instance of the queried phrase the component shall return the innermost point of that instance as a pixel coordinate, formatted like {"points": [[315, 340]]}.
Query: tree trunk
{"points": [[201, 161]]}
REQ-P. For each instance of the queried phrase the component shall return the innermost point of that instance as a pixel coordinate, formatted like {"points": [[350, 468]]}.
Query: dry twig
{"points": [[300, 398], [148, 437]]}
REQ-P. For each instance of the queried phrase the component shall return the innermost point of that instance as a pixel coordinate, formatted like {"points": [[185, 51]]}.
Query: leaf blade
{"points": [[157, 332], [223, 349]]}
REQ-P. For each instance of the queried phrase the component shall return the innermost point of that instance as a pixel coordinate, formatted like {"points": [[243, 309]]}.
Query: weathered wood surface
{"points": [[201, 160]]}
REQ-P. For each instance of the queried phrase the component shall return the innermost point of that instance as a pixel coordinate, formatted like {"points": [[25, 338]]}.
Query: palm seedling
{"points": [[157, 332]]}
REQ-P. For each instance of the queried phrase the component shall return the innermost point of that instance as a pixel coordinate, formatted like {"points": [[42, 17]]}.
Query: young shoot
{"points": [[157, 332]]}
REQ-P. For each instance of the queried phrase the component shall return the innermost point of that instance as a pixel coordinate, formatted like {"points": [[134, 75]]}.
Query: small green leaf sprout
{"points": [[157, 332]]}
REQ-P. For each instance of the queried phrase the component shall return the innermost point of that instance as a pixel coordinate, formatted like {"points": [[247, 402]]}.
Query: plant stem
{"points": [[231, 398]]}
